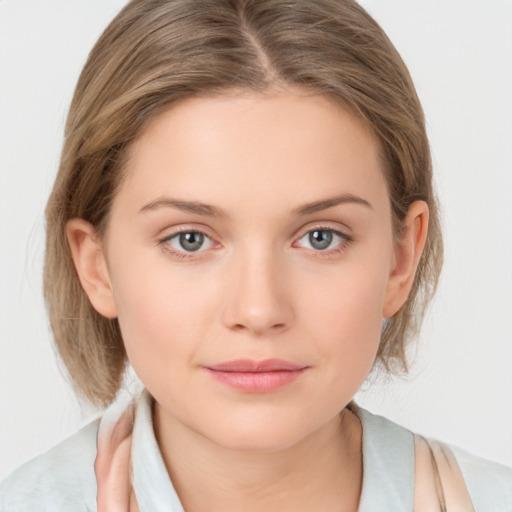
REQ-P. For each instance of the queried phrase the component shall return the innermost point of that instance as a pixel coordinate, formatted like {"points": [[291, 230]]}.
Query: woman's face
{"points": [[249, 253]]}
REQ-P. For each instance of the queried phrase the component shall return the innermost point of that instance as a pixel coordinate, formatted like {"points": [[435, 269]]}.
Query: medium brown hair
{"points": [[157, 52]]}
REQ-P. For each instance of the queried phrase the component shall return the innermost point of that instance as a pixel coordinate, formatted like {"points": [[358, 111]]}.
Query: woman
{"points": [[244, 210]]}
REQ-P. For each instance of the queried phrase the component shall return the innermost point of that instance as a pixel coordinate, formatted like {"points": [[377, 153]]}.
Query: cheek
{"points": [[344, 313], [161, 315]]}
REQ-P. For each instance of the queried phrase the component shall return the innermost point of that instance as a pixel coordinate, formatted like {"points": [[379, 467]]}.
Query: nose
{"points": [[257, 296]]}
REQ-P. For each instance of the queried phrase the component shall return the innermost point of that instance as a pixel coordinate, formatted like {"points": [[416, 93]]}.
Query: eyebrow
{"points": [[213, 211], [324, 204], [185, 206]]}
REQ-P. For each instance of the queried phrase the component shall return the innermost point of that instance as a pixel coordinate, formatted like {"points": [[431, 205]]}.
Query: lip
{"points": [[252, 376]]}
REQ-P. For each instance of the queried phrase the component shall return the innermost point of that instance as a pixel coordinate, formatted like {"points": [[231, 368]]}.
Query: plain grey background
{"points": [[460, 55]]}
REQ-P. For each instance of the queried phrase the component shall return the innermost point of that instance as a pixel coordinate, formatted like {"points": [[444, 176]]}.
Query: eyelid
{"points": [[171, 231], [327, 226]]}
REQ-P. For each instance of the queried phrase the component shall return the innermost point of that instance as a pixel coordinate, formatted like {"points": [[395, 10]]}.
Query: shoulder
{"points": [[61, 479], [489, 483]]}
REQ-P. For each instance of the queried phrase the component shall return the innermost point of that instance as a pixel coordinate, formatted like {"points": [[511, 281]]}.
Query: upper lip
{"points": [[250, 365]]}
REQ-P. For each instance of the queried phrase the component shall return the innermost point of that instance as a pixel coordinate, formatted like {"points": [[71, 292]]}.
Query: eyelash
{"points": [[183, 255]]}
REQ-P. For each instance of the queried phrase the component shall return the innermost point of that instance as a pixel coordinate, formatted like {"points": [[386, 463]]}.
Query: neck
{"points": [[321, 472]]}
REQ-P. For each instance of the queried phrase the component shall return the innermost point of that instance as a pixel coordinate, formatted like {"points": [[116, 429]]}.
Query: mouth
{"points": [[251, 376]]}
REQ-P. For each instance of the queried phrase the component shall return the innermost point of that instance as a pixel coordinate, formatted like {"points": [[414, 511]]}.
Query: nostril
{"points": [[242, 327]]}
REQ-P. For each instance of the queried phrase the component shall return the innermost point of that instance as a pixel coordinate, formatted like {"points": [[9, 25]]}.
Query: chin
{"points": [[258, 442], [259, 433]]}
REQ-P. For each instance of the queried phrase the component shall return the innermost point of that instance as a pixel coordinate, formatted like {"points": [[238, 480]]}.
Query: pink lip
{"points": [[256, 376]]}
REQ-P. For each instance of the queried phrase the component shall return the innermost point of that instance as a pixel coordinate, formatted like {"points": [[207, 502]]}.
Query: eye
{"points": [[321, 239], [189, 241]]}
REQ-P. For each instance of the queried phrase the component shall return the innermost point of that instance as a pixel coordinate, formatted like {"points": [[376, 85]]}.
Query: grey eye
{"points": [[190, 241], [321, 239]]}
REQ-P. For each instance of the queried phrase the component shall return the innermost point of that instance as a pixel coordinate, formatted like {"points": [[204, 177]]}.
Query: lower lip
{"points": [[257, 382]]}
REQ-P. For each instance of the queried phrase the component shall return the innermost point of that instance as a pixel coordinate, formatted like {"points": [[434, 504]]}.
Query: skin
{"points": [[257, 288]]}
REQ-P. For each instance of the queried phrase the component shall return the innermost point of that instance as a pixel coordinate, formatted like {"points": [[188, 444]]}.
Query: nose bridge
{"points": [[257, 296]]}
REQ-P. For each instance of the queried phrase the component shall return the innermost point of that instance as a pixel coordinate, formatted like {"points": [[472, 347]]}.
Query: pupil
{"points": [[320, 239], [191, 241]]}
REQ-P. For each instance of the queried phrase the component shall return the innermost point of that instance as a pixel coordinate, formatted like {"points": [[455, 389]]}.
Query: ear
{"points": [[407, 253], [91, 266]]}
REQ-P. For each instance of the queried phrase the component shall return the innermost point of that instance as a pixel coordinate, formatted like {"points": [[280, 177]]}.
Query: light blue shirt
{"points": [[63, 479]]}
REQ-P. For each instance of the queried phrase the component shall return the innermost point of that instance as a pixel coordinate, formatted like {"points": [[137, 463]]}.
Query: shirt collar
{"points": [[388, 465], [151, 481]]}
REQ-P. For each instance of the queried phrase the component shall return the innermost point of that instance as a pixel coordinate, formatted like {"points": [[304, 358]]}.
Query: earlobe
{"points": [[90, 264], [407, 253]]}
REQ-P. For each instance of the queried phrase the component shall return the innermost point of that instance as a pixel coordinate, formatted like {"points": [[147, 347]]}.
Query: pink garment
{"points": [[112, 467]]}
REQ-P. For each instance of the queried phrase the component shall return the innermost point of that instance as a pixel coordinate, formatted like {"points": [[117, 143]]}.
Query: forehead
{"points": [[283, 147]]}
